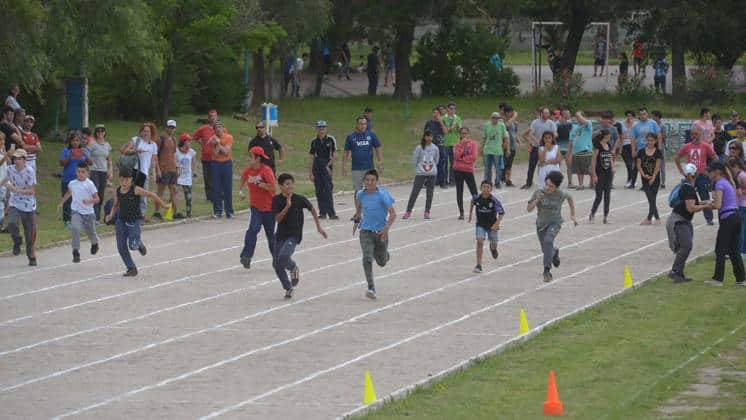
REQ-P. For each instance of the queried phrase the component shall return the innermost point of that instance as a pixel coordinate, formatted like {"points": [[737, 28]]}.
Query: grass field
{"points": [[585, 58], [642, 354], [398, 124]]}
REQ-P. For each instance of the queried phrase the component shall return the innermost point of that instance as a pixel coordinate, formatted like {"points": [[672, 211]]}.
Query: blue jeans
{"points": [[222, 185], [128, 238], [442, 177], [283, 261], [449, 165], [743, 230], [702, 184], [66, 208], [495, 161], [257, 219]]}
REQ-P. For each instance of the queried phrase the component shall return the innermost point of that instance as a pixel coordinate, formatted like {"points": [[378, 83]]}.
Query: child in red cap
{"points": [[261, 183]]}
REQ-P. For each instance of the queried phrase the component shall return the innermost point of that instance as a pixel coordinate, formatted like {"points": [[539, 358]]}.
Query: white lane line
{"points": [[335, 325], [420, 334], [190, 257], [181, 241], [404, 391]]}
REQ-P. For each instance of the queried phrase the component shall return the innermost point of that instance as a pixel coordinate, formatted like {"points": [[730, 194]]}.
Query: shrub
{"points": [[711, 84], [566, 88], [634, 87]]}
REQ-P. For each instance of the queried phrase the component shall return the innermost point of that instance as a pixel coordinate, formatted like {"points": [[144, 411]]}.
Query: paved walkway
{"points": [[196, 335]]}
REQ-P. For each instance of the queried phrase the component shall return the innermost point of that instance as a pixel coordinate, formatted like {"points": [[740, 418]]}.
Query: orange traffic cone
{"points": [[553, 405]]}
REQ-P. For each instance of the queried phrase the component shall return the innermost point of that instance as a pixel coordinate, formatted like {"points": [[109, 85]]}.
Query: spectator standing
{"points": [[31, 142], [222, 172], [640, 131], [389, 62], [660, 70], [638, 51], [372, 71], [649, 163], [185, 161], [21, 182], [698, 153], [202, 136], [538, 127], [564, 126], [599, 55], [453, 124], [623, 69], [511, 116], [323, 153], [438, 130], [662, 145], [4, 160], [70, 157], [360, 146], [12, 99], [13, 136], [730, 127], [297, 73], [368, 115], [629, 160], [728, 240], [167, 163], [494, 146], [740, 137], [738, 168], [147, 155], [465, 154], [581, 147], [345, 59], [425, 159], [720, 138], [602, 172], [101, 167], [705, 125], [269, 144], [549, 156]]}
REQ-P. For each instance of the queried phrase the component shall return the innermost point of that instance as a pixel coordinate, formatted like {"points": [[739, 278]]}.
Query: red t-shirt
{"points": [[202, 135], [32, 140], [698, 154], [259, 198]]}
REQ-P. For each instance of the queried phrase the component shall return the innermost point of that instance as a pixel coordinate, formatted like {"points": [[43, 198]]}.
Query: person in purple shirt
{"points": [[70, 156], [729, 231]]}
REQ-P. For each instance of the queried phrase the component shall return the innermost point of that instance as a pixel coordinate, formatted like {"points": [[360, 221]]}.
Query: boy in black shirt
{"points": [[489, 215], [288, 209]]}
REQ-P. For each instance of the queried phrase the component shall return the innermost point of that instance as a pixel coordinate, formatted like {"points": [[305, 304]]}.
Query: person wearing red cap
{"points": [[260, 181], [185, 168], [203, 136]]}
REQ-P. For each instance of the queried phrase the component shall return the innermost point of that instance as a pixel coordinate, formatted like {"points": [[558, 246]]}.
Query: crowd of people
{"points": [[711, 160]]}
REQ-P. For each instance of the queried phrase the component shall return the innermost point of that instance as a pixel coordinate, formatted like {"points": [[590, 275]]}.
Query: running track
{"points": [[197, 336]]}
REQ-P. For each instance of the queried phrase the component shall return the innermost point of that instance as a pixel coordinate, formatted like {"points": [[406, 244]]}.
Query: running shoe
{"points": [[289, 293], [76, 256], [295, 276], [334, 217], [493, 252], [246, 262], [556, 258], [461, 216], [407, 215], [714, 282], [132, 272], [427, 215], [94, 249], [371, 294], [16, 247], [32, 262], [477, 269], [142, 249], [322, 216], [547, 275]]}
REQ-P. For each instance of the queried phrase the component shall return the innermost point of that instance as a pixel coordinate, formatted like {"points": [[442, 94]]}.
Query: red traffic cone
{"points": [[553, 405]]}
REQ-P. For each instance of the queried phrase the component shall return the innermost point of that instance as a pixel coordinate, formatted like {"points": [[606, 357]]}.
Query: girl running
{"points": [[129, 217], [738, 169], [549, 156], [548, 202], [649, 161], [464, 155], [425, 159], [729, 230], [602, 175]]}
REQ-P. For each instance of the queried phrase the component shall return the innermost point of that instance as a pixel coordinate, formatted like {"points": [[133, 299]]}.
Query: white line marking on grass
{"points": [[331, 326], [193, 276], [432, 330]]}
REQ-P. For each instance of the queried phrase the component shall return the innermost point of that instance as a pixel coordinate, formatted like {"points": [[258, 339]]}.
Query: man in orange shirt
{"points": [[222, 172], [203, 136]]}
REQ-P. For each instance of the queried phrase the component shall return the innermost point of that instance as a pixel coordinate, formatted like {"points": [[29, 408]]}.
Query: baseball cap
{"points": [[185, 137], [30, 117], [171, 123], [320, 123], [690, 169], [19, 153], [100, 127], [495, 115], [258, 151]]}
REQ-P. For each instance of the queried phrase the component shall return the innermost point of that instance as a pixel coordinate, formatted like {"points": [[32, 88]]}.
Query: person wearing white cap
{"points": [[167, 163], [323, 152], [21, 182], [684, 203], [494, 146]]}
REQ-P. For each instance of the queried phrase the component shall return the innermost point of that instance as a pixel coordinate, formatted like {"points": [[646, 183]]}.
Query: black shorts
{"points": [[508, 164], [167, 178], [600, 62], [637, 60]]}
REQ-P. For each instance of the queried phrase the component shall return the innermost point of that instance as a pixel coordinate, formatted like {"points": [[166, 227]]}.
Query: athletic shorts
{"points": [[167, 178], [581, 163], [481, 233], [600, 62], [637, 60], [508, 161]]}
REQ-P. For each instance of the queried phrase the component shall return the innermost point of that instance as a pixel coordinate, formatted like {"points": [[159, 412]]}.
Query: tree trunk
{"points": [[270, 78], [258, 96], [403, 49], [168, 88], [579, 19], [678, 68], [317, 60]]}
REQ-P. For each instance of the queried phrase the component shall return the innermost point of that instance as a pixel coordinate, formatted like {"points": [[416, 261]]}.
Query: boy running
{"points": [[376, 208], [548, 202], [288, 210], [21, 181], [85, 195], [490, 213], [260, 181], [126, 208]]}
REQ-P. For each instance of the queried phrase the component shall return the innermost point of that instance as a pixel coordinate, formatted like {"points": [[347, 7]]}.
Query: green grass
{"points": [[611, 361], [398, 124], [585, 58]]}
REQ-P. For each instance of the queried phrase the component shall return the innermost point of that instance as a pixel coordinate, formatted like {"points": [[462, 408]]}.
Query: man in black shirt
{"points": [[12, 135], [288, 209], [323, 152], [439, 130], [269, 144], [372, 71]]}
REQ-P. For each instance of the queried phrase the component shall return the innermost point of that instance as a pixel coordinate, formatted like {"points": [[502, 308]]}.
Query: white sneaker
{"points": [[371, 294]]}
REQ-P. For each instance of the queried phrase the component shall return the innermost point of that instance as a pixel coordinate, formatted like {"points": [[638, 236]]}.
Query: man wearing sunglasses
{"points": [[269, 144]]}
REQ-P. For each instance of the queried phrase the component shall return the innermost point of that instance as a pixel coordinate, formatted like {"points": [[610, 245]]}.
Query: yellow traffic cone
{"points": [[627, 278], [523, 327], [168, 215], [370, 393]]}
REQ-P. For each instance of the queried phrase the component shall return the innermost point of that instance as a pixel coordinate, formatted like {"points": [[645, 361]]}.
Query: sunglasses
{"points": [[259, 127]]}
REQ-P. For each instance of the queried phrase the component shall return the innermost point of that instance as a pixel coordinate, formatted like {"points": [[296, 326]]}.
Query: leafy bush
{"points": [[566, 88], [456, 62], [711, 84], [634, 87]]}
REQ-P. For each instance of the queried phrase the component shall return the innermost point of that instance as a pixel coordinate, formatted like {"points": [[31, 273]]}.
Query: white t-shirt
{"points": [[79, 191], [24, 180], [145, 152], [184, 166], [298, 66]]}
